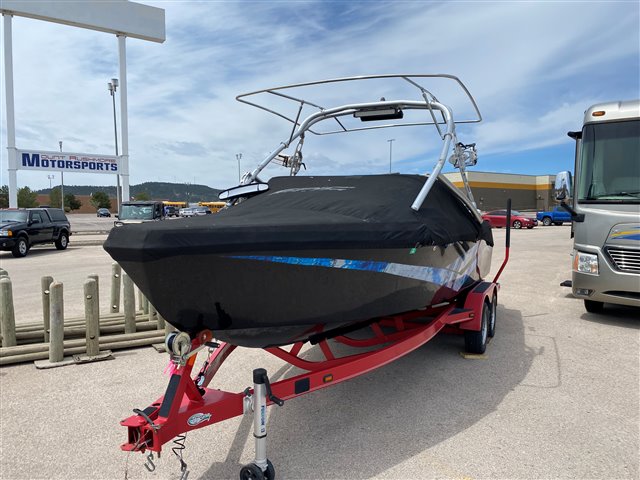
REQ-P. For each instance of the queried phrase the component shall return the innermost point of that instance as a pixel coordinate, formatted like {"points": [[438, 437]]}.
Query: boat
{"points": [[308, 257]]}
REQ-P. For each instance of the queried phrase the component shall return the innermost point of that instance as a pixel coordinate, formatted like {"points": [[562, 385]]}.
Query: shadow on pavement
{"points": [[364, 426], [616, 315]]}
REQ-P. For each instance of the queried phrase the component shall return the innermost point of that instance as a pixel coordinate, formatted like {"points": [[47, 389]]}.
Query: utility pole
{"points": [[390, 151]]}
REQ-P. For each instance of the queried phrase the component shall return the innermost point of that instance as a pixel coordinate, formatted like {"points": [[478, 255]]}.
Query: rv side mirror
{"points": [[563, 186]]}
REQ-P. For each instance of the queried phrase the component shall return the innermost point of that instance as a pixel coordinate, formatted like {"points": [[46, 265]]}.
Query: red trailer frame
{"points": [[189, 405]]}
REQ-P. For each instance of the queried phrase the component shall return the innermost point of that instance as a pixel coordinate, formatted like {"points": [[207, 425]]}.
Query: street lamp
{"points": [[238, 157], [61, 181], [113, 86], [50, 177], [390, 151]]}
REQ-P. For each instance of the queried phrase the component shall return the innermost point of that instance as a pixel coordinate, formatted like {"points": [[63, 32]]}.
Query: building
{"points": [[491, 190]]}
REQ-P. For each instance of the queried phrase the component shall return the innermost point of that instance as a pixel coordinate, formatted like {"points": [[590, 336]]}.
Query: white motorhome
{"points": [[605, 205]]}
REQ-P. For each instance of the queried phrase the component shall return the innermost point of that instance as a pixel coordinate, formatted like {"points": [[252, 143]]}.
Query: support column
{"points": [[11, 120], [124, 118]]}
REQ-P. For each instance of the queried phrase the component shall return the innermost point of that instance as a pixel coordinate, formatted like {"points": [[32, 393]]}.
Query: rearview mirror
{"points": [[563, 186], [243, 191]]}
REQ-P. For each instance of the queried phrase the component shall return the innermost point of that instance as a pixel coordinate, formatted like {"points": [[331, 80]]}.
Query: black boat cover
{"points": [[305, 212]]}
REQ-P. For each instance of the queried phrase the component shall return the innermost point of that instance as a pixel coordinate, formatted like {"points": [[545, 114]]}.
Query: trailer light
{"points": [[599, 113], [585, 263]]}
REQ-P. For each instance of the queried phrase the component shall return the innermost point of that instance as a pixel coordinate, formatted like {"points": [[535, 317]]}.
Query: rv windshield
{"points": [[136, 212], [609, 167]]}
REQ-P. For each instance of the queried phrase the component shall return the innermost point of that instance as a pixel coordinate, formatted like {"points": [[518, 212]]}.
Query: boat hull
{"points": [[258, 299]]}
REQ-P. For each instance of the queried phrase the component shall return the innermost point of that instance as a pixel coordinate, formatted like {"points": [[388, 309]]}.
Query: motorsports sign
{"points": [[68, 162]]}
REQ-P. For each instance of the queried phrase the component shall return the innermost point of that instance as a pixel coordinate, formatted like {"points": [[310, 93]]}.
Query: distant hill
{"points": [[155, 190]]}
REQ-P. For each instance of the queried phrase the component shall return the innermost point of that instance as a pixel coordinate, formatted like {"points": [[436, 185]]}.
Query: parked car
{"points": [[20, 228], [103, 212], [557, 216], [170, 211], [498, 219], [201, 211], [139, 211], [186, 212]]}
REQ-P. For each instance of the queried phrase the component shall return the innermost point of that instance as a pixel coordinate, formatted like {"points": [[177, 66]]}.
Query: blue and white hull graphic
{"points": [[288, 297]]}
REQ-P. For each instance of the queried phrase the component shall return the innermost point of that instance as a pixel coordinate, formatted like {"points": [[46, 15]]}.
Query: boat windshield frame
{"points": [[440, 116]]}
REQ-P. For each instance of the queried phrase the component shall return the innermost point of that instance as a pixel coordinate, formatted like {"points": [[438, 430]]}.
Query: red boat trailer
{"points": [[189, 404]]}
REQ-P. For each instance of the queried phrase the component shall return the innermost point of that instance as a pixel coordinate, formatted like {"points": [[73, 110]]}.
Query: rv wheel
{"points": [[593, 307]]}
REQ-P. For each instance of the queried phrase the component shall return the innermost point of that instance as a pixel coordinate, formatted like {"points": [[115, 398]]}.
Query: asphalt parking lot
{"points": [[555, 397]]}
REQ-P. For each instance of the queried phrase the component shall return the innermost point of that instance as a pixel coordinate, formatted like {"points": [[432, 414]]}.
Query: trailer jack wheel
{"points": [[476, 342], [253, 472]]}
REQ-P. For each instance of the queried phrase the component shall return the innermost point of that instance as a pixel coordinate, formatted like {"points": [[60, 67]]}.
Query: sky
{"points": [[532, 67]]}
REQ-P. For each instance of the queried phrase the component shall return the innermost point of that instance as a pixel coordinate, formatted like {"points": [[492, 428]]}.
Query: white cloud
{"points": [[532, 66]]}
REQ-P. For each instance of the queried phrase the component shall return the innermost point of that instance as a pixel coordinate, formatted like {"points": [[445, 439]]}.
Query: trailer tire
{"points": [[491, 330], [546, 221], [476, 342], [593, 306]]}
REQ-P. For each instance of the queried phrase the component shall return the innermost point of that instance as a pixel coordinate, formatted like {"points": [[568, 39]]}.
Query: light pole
{"points": [[50, 177], [61, 182], [391, 140], [238, 157], [113, 86]]}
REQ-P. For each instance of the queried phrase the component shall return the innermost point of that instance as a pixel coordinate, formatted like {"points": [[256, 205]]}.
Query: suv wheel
{"points": [[21, 248], [62, 241]]}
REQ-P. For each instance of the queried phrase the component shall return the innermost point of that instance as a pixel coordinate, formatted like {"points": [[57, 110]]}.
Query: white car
{"points": [[186, 212]]}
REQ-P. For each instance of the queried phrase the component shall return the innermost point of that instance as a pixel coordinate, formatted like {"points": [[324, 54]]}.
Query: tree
{"points": [[55, 197], [4, 196], [143, 196], [27, 198], [72, 203], [100, 200]]}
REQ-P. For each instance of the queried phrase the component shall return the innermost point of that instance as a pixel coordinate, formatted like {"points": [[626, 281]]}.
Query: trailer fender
{"points": [[482, 292]]}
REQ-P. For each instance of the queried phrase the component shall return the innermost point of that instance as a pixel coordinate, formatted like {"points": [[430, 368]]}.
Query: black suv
{"points": [[20, 228]]}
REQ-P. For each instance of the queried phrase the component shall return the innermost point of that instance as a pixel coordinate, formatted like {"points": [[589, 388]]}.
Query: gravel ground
{"points": [[556, 396]]}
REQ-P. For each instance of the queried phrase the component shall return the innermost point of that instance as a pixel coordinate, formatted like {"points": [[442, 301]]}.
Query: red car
{"points": [[498, 219]]}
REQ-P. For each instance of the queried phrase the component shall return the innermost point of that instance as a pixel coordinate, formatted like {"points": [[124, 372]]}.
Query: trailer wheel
{"points": [[593, 307], [491, 331], [253, 472], [476, 342]]}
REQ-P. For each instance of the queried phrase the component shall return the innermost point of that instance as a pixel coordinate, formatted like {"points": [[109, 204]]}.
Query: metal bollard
{"points": [[116, 273], [129, 304], [56, 339], [45, 284], [7, 314], [92, 317]]}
